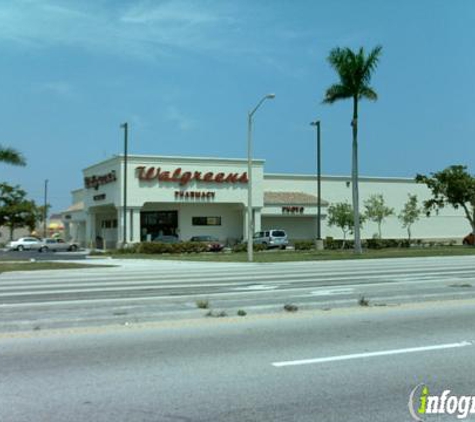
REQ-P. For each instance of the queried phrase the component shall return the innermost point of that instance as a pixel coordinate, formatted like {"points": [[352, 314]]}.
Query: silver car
{"points": [[271, 238], [57, 245], [24, 243]]}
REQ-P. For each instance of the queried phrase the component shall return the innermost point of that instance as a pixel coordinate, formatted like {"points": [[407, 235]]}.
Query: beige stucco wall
{"points": [[448, 223]]}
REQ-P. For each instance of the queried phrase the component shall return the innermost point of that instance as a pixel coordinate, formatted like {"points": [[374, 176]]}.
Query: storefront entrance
{"points": [[158, 223]]}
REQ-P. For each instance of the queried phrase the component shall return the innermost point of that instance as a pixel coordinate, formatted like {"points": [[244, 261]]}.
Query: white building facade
{"points": [[188, 196]]}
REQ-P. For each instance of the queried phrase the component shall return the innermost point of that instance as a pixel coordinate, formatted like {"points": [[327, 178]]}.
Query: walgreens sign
{"points": [[185, 177]]}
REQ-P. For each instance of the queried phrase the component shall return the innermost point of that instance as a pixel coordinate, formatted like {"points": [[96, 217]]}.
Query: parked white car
{"points": [[24, 243], [57, 245]]}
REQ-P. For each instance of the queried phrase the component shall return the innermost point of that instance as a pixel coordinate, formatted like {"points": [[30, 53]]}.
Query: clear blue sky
{"points": [[185, 73]]}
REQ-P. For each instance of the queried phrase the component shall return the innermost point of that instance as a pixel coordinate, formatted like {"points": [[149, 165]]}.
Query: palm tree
{"points": [[354, 71], [11, 156]]}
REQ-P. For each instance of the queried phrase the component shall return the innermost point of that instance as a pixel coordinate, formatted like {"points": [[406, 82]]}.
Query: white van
{"points": [[275, 238]]}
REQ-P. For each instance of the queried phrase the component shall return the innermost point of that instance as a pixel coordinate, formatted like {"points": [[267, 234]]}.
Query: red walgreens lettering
{"points": [[151, 173]]}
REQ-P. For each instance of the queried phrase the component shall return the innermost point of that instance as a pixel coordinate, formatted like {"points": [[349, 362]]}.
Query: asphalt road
{"points": [[147, 290], [230, 370]]}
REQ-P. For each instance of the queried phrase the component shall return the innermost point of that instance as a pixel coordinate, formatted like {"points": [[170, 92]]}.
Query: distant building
{"points": [[17, 233]]}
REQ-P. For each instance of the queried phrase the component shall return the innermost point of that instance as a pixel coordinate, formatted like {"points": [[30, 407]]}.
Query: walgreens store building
{"points": [[187, 196]]}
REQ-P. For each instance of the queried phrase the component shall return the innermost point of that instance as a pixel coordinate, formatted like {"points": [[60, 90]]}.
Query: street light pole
{"points": [[250, 217], [125, 126], [45, 209], [319, 241]]}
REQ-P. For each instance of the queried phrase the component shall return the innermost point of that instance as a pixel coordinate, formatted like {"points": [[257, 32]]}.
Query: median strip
{"points": [[371, 354]]}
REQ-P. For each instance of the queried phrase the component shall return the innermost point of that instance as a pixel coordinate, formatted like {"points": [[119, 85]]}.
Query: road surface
{"points": [[149, 290], [343, 365]]}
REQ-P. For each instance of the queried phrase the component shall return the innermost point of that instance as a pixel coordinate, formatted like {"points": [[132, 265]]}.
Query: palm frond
{"points": [[368, 93], [371, 63], [11, 156], [337, 92]]}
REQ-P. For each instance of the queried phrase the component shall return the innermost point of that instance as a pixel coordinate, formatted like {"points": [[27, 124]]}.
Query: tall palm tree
{"points": [[11, 156], [354, 70]]}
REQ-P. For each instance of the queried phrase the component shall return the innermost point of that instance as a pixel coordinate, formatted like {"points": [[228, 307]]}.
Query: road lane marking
{"points": [[332, 292], [256, 287], [371, 354]]}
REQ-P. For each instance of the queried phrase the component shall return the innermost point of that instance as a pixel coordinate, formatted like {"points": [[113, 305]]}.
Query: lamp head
{"points": [[270, 96], [315, 123]]}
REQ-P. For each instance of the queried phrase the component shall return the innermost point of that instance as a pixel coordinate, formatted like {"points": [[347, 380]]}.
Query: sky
{"points": [[185, 73]]}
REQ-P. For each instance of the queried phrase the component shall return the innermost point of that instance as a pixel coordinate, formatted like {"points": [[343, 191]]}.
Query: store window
{"points": [[109, 224], [206, 221], [158, 223]]}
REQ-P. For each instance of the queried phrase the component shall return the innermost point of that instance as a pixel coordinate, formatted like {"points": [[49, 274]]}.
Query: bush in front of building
{"points": [[155, 248], [335, 244], [190, 247], [374, 243], [377, 243], [304, 245], [160, 247]]}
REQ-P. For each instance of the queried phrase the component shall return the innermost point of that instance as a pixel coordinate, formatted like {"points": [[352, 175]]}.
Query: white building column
{"points": [[257, 219], [67, 231], [120, 227], [244, 224], [133, 225], [90, 229]]}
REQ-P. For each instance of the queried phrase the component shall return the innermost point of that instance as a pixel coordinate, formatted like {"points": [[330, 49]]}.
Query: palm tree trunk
{"points": [[354, 176]]}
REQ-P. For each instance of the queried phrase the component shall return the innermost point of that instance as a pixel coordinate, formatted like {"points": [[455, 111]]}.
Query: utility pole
{"points": [[125, 126], [319, 240], [45, 210]]}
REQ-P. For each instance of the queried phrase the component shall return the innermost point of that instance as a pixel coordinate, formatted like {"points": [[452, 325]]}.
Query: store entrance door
{"points": [[158, 223]]}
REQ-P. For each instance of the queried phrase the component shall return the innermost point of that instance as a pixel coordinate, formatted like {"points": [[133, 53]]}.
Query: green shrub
{"points": [[155, 248], [202, 303], [190, 247], [160, 248], [329, 243], [304, 245], [216, 314], [290, 307], [374, 243], [242, 247], [362, 301], [334, 244]]}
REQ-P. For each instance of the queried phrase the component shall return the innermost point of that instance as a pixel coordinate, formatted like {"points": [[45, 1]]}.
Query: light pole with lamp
{"points": [[250, 217], [319, 240]]}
